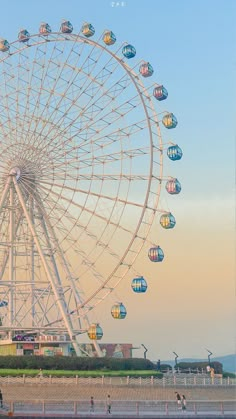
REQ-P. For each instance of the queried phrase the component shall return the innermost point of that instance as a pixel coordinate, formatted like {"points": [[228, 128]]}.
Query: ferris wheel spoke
{"points": [[84, 228], [7, 77], [101, 177], [111, 97], [91, 159], [102, 123], [37, 75], [98, 195], [89, 81], [100, 142], [88, 128], [20, 86], [92, 133], [81, 207], [76, 85], [114, 157], [52, 75], [120, 110], [104, 141]]}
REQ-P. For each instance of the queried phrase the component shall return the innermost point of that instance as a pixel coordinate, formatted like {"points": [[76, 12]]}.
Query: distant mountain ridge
{"points": [[228, 362]]}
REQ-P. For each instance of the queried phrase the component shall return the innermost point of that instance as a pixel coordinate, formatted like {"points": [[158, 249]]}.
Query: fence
{"points": [[119, 407], [166, 381]]}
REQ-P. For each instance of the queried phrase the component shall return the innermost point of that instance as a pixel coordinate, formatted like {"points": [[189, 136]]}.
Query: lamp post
{"points": [[145, 352], [176, 357], [209, 356]]}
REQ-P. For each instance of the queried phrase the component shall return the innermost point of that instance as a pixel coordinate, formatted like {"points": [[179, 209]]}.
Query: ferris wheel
{"points": [[81, 171]]}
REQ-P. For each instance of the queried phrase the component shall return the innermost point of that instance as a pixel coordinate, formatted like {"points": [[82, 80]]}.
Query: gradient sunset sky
{"points": [[190, 302]]}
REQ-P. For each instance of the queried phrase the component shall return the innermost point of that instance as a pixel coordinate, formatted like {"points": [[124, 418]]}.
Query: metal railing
{"points": [[119, 407], [166, 381]]}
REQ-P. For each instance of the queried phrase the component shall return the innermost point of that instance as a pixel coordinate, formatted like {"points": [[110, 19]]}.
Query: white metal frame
{"points": [[46, 133]]}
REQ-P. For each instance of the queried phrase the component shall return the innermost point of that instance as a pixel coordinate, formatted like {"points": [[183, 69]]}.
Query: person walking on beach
{"points": [[92, 404], [108, 403], [1, 401], [183, 402], [178, 399]]}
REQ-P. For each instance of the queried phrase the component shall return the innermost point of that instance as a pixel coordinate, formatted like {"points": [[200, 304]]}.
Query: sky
{"points": [[190, 304]]}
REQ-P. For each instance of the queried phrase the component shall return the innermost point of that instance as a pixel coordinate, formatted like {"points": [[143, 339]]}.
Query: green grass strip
{"points": [[62, 373]]}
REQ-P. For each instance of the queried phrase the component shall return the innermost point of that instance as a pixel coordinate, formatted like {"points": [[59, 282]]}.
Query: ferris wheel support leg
{"points": [[4, 193], [44, 227], [32, 263], [2, 202], [6, 256], [17, 224], [58, 295], [11, 258], [97, 348], [66, 268]]}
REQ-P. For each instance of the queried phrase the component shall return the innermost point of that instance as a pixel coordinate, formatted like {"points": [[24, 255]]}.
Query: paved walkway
{"points": [[202, 415], [84, 392], [64, 401], [120, 409]]}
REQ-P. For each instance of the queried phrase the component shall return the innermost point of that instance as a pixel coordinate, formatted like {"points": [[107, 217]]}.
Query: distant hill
{"points": [[228, 362]]}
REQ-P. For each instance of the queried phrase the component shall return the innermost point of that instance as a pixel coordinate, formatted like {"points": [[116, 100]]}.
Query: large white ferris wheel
{"points": [[81, 170]]}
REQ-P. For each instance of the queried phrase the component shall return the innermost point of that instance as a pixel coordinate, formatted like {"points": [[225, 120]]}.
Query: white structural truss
{"points": [[80, 178]]}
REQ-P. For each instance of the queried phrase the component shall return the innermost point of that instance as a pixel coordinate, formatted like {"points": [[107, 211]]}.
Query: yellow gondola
{"points": [[109, 38]]}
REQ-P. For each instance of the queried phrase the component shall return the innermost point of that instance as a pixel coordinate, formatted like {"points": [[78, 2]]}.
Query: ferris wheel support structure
{"points": [[13, 188], [11, 252], [46, 224], [56, 289]]}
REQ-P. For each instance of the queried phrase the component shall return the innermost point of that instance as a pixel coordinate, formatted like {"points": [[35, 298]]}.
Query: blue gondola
{"points": [[173, 186], [44, 29], [146, 70], [167, 220], [118, 311], [88, 30], [95, 332], [109, 38], [66, 27], [174, 152], [160, 93], [4, 45], [129, 51], [3, 303], [23, 35], [156, 254], [139, 284], [169, 121]]}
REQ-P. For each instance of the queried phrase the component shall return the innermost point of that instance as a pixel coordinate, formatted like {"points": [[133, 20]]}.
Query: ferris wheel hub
{"points": [[15, 171], [24, 173]]}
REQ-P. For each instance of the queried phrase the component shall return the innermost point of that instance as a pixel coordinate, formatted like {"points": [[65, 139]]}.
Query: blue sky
{"points": [[191, 45]]}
